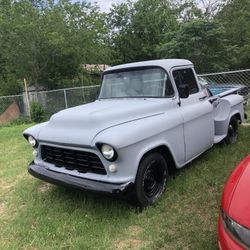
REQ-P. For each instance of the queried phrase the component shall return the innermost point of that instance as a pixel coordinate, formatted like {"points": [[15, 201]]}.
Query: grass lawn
{"points": [[37, 215]]}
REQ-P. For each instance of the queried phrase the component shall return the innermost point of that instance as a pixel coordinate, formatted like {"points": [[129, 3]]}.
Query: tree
{"points": [[235, 18], [46, 41], [203, 42], [119, 22], [138, 27], [187, 10]]}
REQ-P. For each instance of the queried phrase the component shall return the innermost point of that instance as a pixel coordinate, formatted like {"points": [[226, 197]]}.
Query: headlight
{"points": [[241, 233], [32, 141], [108, 152]]}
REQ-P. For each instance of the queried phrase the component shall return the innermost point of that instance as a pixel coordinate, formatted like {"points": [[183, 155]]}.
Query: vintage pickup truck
{"points": [[150, 117]]}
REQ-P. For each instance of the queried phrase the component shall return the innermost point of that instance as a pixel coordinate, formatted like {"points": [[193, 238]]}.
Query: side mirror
{"points": [[183, 91]]}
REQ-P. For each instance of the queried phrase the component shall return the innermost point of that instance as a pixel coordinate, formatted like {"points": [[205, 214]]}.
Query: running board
{"points": [[219, 138]]}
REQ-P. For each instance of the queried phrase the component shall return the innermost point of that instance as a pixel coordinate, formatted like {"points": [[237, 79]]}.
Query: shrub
{"points": [[18, 121], [37, 112]]}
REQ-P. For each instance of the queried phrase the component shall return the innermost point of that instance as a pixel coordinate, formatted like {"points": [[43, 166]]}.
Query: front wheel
{"points": [[150, 180], [232, 134]]}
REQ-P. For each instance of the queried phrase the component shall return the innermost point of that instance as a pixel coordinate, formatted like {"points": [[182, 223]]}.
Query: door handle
{"points": [[212, 100], [215, 101]]}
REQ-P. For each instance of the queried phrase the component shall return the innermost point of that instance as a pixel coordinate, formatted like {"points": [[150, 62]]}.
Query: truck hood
{"points": [[80, 125]]}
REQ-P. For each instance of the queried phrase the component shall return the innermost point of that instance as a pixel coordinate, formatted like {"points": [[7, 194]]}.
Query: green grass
{"points": [[37, 215]]}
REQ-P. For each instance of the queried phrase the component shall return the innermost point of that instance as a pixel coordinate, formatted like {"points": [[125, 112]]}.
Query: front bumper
{"points": [[77, 182]]}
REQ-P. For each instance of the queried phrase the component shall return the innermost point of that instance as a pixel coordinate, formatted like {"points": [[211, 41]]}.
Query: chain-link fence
{"points": [[6, 101], [52, 101], [219, 82], [56, 100]]}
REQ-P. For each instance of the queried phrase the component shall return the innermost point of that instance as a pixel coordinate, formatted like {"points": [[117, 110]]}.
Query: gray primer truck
{"points": [[150, 116]]}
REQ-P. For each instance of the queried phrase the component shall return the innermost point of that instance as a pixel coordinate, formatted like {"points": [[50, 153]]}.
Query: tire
{"points": [[232, 133], [151, 180]]}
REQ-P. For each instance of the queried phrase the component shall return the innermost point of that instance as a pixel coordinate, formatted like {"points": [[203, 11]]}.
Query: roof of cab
{"points": [[167, 64]]}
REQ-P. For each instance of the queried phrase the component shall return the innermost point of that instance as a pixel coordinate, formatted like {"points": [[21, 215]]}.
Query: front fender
{"points": [[34, 130], [128, 133], [145, 134]]}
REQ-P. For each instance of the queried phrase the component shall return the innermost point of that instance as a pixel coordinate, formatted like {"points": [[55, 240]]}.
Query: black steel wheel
{"points": [[232, 134], [151, 179]]}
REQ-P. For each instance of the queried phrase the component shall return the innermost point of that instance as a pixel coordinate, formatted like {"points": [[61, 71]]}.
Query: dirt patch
{"points": [[4, 185], [45, 187], [134, 231], [30, 247], [130, 244], [244, 124], [2, 207], [8, 185], [132, 240]]}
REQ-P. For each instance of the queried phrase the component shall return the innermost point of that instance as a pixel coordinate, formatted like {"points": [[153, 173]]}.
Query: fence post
{"points": [[83, 95], [27, 96], [65, 98]]}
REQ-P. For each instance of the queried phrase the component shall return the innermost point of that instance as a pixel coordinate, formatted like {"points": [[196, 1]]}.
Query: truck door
{"points": [[197, 113]]}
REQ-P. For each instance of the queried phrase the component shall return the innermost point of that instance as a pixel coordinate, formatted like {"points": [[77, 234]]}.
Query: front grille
{"points": [[82, 161]]}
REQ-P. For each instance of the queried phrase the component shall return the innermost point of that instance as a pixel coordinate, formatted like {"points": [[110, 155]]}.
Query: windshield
{"points": [[149, 82]]}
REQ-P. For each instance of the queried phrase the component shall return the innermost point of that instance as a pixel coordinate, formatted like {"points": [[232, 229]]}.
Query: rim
{"points": [[154, 179]]}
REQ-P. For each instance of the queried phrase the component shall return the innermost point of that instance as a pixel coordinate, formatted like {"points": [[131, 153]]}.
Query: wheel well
{"points": [[165, 152], [237, 116]]}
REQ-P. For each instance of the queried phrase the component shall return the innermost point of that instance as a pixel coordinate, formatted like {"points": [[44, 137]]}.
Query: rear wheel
{"points": [[232, 133], [150, 180]]}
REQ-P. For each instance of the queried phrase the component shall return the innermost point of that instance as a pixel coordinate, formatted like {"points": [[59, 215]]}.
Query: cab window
{"points": [[186, 77]]}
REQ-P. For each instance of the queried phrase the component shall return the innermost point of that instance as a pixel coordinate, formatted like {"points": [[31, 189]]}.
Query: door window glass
{"points": [[186, 77]]}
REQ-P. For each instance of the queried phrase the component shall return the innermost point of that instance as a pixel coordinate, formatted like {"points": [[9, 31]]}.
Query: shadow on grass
{"points": [[205, 156], [75, 196]]}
